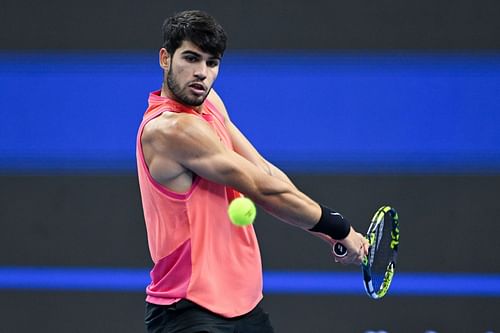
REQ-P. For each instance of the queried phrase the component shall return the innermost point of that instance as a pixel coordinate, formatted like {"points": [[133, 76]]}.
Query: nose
{"points": [[201, 71]]}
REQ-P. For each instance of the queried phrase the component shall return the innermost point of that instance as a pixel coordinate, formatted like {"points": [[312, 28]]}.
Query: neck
{"points": [[165, 92]]}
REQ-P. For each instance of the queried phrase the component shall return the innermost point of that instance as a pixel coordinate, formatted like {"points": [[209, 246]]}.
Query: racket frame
{"points": [[377, 221]]}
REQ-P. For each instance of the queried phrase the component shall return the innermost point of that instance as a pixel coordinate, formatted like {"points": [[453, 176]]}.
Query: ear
{"points": [[164, 58]]}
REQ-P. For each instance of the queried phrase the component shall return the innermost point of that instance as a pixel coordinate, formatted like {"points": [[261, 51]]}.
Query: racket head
{"points": [[380, 263]]}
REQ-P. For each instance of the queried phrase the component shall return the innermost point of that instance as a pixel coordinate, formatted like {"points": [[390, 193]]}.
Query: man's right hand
{"points": [[357, 248]]}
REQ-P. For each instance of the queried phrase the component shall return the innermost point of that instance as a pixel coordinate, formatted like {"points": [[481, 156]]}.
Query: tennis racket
{"points": [[379, 265]]}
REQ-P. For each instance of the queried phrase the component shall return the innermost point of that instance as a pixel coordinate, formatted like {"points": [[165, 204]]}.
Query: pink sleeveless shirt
{"points": [[198, 253]]}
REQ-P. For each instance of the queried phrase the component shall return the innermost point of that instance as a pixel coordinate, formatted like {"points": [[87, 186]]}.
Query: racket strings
{"points": [[384, 254]]}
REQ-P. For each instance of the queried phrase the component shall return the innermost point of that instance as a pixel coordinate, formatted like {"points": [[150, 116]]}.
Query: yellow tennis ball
{"points": [[242, 211]]}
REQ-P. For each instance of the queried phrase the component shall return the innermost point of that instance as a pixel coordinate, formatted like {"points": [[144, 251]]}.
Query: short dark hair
{"points": [[196, 26]]}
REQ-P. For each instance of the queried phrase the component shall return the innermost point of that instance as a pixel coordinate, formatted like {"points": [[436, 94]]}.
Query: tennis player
{"points": [[192, 161]]}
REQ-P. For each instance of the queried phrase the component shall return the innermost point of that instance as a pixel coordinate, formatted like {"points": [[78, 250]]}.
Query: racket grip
{"points": [[339, 250]]}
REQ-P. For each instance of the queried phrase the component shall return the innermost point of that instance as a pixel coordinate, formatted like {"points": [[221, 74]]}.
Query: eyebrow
{"points": [[189, 52]]}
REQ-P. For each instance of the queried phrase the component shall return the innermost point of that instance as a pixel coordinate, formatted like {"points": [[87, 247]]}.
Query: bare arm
{"points": [[192, 144]]}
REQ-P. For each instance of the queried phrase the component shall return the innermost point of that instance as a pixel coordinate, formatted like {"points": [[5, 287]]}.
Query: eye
{"points": [[212, 63], [190, 58]]}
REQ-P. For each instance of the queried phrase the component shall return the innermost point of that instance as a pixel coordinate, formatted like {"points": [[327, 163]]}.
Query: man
{"points": [[192, 161]]}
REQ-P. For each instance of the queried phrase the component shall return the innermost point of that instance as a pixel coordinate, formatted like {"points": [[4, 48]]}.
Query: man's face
{"points": [[190, 73]]}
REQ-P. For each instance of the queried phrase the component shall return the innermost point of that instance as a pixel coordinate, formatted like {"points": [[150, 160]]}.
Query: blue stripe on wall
{"points": [[331, 112], [275, 282]]}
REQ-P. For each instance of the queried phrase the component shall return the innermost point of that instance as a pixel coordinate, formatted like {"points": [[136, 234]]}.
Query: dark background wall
{"points": [[68, 200], [362, 24]]}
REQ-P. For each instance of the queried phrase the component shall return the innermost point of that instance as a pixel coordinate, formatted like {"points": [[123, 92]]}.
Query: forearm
{"points": [[278, 196], [299, 210], [290, 205], [284, 201], [294, 207]]}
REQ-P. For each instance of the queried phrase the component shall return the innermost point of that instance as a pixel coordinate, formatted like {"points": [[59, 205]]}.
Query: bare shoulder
{"points": [[177, 135], [169, 142], [168, 128]]}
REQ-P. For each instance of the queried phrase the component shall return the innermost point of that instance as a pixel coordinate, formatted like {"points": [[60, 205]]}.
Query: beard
{"points": [[182, 94]]}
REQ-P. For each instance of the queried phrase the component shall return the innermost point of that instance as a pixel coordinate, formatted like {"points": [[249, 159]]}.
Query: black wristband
{"points": [[332, 224]]}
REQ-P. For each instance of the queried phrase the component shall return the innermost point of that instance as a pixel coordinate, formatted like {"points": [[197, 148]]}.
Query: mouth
{"points": [[198, 88]]}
